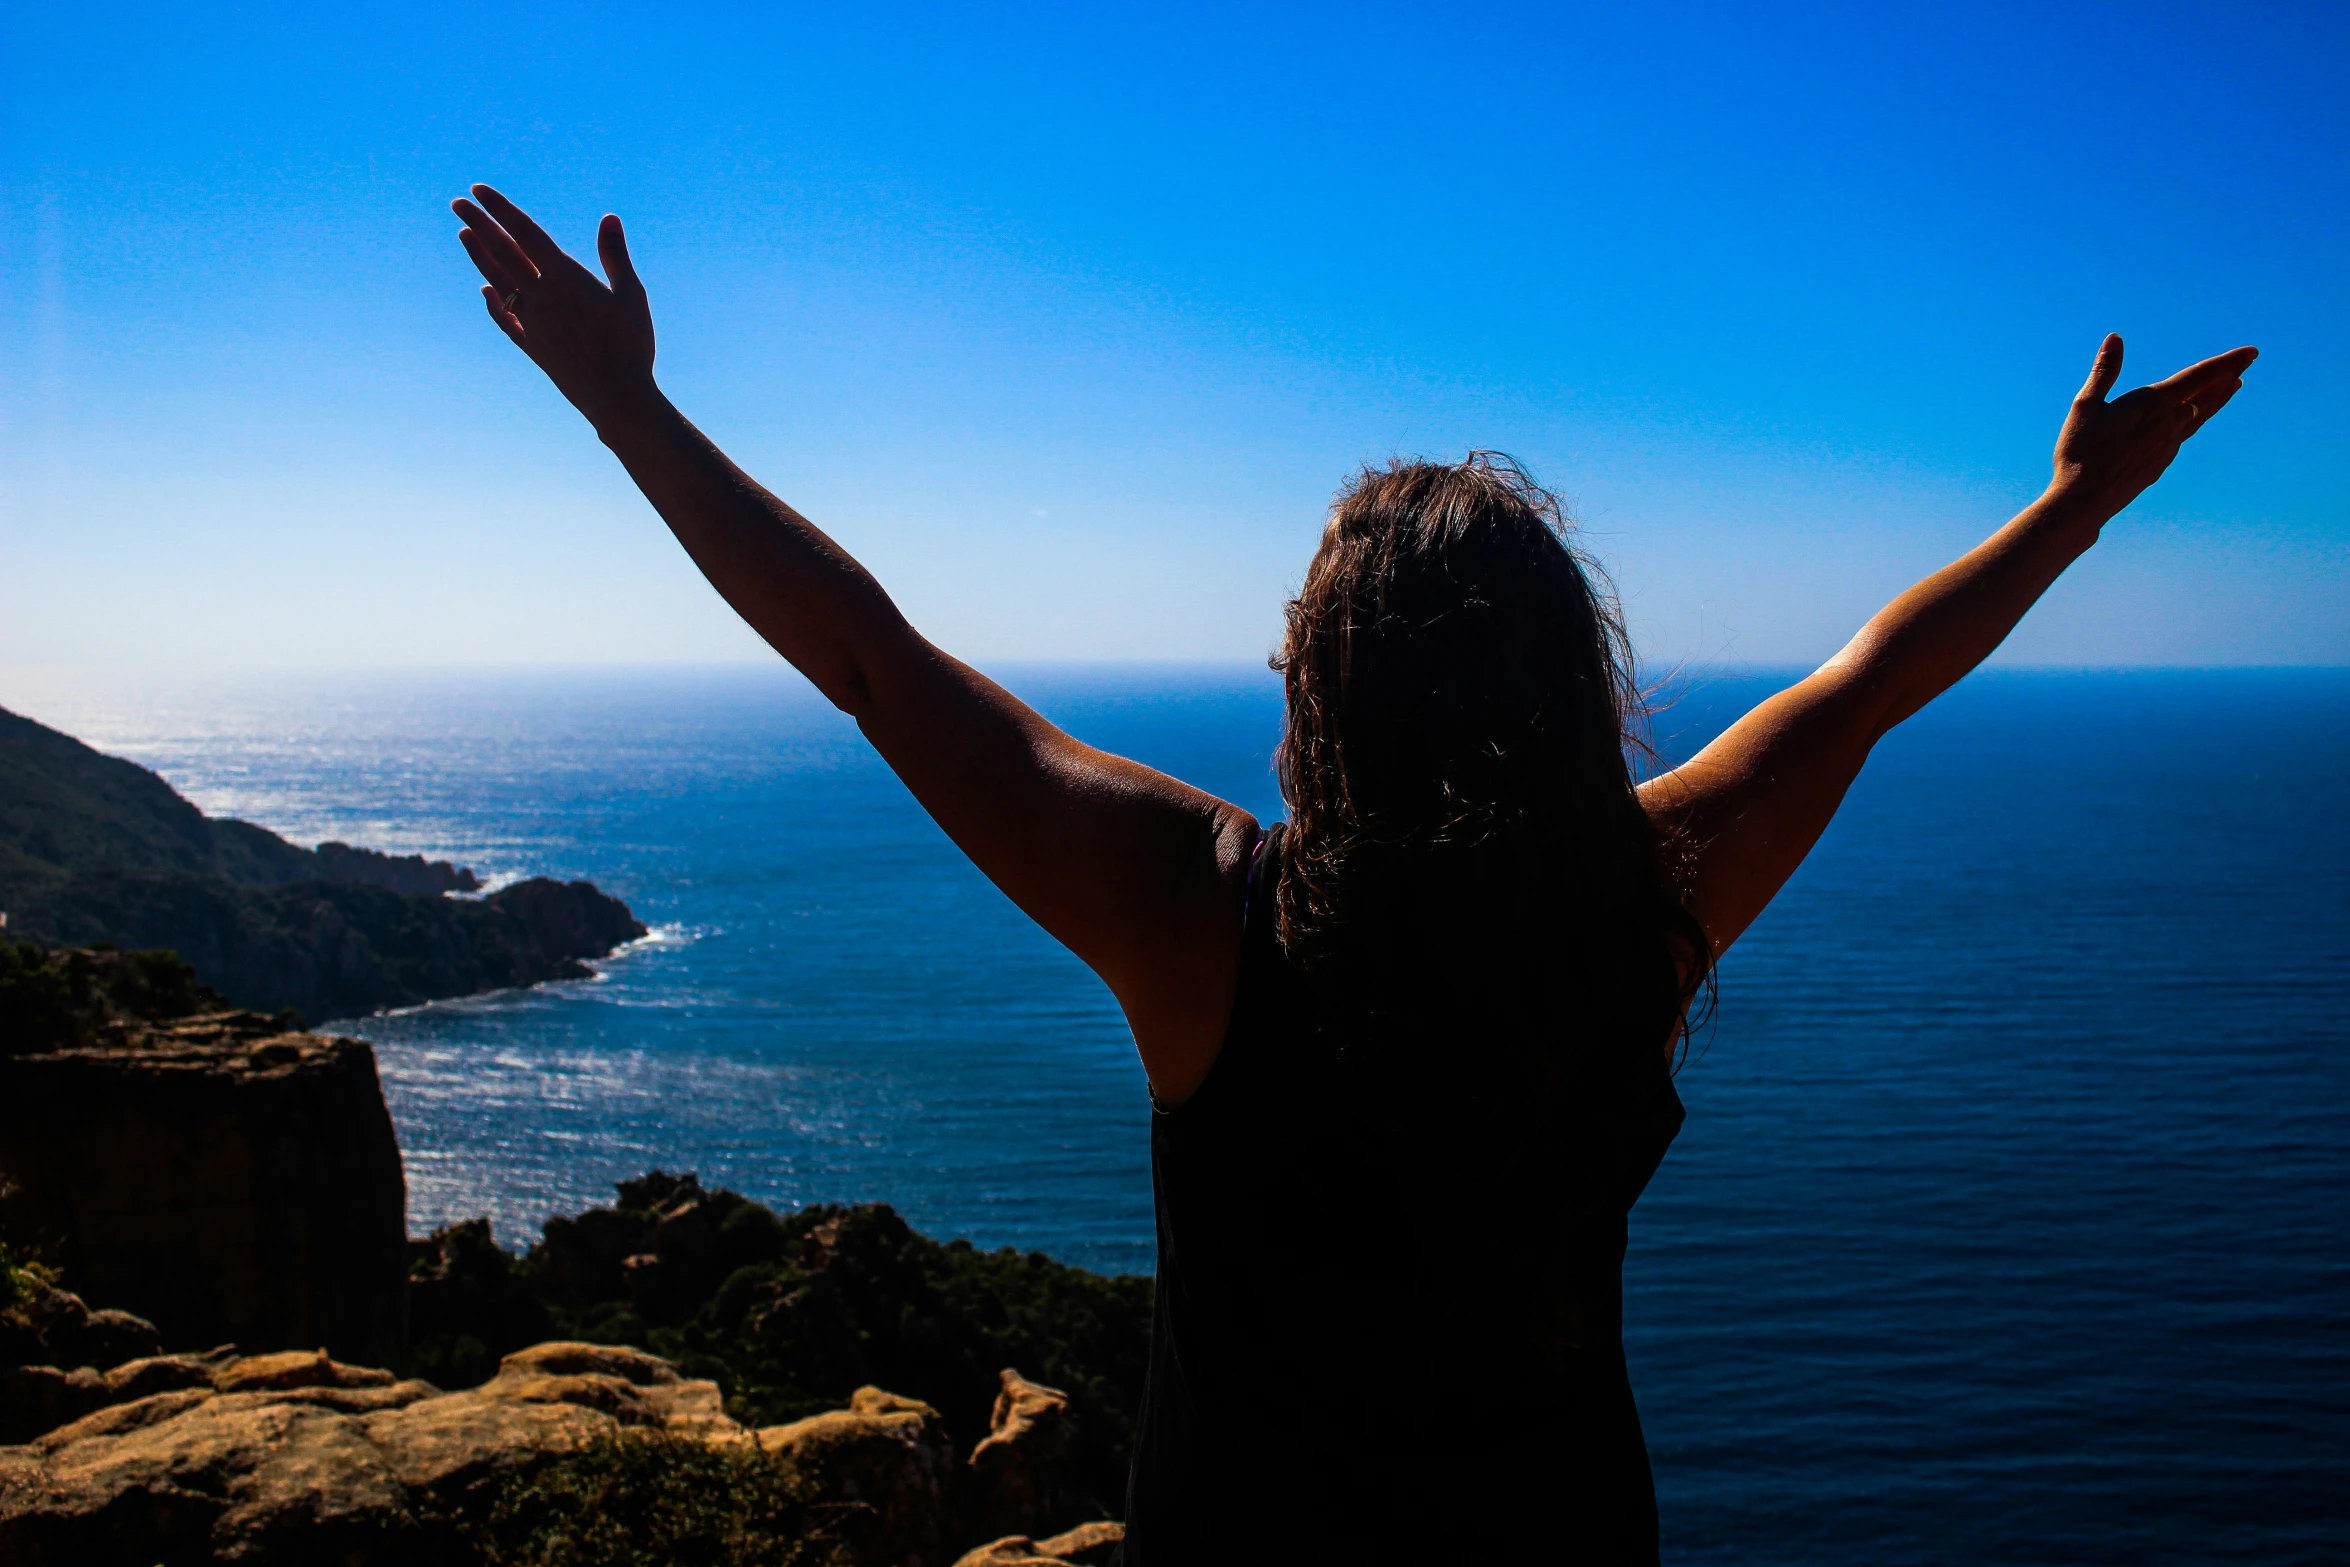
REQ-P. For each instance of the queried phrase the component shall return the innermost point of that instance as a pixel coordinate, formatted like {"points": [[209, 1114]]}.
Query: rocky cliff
{"points": [[223, 1178], [684, 1377], [97, 849]]}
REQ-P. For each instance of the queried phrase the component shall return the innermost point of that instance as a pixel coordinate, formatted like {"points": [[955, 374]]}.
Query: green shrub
{"points": [[37, 1009], [469, 1304], [790, 1314], [21, 1281], [867, 1298], [21, 1277], [649, 1501], [51, 999]]}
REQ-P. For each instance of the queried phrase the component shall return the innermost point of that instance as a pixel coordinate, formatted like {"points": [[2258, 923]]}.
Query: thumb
{"points": [[2102, 374], [612, 249]]}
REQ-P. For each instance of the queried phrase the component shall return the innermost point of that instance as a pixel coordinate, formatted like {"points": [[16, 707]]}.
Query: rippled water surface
{"points": [[2012, 1218]]}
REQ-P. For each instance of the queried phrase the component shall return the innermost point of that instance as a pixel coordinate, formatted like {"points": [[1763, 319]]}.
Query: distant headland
{"points": [[98, 850]]}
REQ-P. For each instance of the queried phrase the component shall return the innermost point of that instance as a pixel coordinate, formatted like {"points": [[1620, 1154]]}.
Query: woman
{"points": [[1410, 1054]]}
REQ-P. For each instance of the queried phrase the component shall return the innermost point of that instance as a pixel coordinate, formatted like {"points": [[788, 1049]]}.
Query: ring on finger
{"points": [[512, 298], [2193, 412]]}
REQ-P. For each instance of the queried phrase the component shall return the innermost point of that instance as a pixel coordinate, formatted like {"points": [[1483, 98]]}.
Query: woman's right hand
{"points": [[594, 342], [1744, 812], [2109, 452]]}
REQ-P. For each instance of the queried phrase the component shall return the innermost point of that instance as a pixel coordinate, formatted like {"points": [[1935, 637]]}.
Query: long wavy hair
{"points": [[1462, 714]]}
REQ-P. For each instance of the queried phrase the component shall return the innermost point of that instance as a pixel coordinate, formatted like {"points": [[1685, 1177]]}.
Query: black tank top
{"points": [[1390, 1297]]}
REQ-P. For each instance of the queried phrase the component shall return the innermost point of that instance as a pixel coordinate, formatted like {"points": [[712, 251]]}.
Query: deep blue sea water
{"points": [[2011, 1222]]}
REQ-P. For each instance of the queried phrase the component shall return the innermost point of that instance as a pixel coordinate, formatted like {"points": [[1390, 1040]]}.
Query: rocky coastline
{"points": [[95, 849], [217, 1343]]}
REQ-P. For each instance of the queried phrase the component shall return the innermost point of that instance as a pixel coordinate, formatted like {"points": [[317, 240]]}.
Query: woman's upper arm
{"points": [[1141, 875], [1739, 817]]}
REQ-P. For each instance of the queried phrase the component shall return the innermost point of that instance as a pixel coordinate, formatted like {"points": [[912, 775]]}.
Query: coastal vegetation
{"points": [[790, 1313], [98, 850], [51, 999], [630, 1500]]}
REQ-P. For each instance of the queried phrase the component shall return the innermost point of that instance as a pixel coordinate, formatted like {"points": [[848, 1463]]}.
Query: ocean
{"points": [[2011, 1222]]}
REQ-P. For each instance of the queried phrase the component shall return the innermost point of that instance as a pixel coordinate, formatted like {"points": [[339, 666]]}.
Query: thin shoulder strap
{"points": [[1263, 861]]}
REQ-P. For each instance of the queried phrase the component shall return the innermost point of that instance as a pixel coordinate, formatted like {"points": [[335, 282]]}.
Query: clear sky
{"points": [[1068, 320]]}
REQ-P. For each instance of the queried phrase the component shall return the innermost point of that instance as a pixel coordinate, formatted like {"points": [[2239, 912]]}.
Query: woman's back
{"points": [[1389, 1293]]}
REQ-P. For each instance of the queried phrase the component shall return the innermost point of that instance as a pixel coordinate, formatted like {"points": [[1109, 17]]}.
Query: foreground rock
{"points": [[1023, 1477], [1088, 1545], [47, 1326], [221, 1178], [36, 1399], [894, 1459], [297, 1458], [889, 1457]]}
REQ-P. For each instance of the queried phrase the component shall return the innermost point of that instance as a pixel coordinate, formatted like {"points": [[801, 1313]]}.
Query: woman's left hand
{"points": [[2109, 452], [594, 342]]}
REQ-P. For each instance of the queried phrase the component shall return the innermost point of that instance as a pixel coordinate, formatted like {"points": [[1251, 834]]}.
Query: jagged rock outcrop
{"points": [[888, 1458], [45, 1325], [297, 1458], [59, 1359], [410, 874], [222, 1178], [893, 1460], [94, 849], [1087, 1545], [1023, 1476]]}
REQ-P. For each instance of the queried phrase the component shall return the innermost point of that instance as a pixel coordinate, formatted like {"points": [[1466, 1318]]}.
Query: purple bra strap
{"points": [[1248, 901]]}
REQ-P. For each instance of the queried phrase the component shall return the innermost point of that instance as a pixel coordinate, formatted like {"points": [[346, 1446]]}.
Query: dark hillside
{"points": [[94, 849], [65, 806]]}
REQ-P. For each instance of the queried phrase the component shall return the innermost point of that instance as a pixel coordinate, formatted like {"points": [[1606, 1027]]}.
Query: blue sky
{"points": [[1069, 320]]}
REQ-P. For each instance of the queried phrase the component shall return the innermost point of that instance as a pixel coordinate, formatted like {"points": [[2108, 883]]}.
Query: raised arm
{"points": [[1741, 815], [1140, 875]]}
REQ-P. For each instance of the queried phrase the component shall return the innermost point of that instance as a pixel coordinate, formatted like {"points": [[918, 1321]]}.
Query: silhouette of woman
{"points": [[1410, 1052]]}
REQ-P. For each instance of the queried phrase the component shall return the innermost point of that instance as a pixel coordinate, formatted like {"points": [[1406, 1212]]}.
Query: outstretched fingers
{"points": [[493, 249], [533, 241], [2190, 384], [503, 272]]}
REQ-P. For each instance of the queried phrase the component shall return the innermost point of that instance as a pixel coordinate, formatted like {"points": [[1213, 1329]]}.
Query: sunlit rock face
{"points": [[298, 1458]]}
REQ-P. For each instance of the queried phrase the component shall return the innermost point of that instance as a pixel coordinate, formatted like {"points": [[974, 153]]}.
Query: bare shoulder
{"points": [[1237, 835], [1179, 1003]]}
